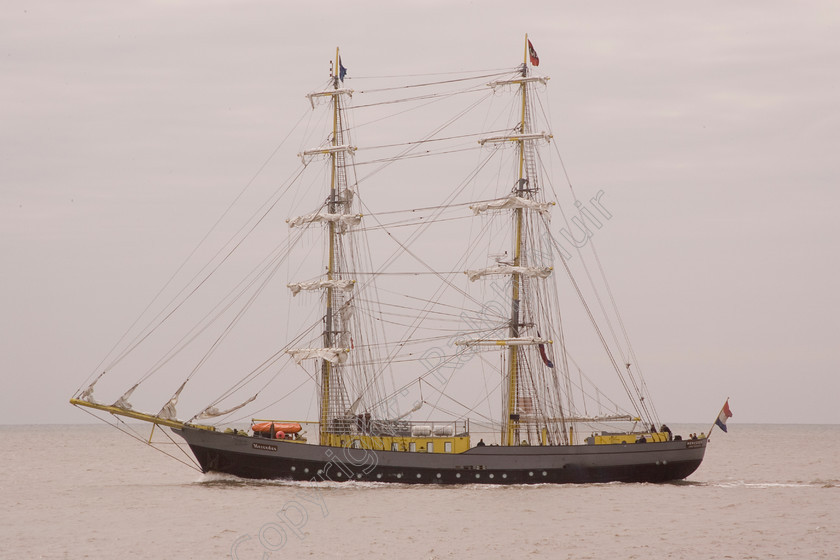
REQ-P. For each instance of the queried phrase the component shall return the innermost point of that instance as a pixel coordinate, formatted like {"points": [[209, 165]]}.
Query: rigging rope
{"points": [[437, 83], [131, 433], [190, 256]]}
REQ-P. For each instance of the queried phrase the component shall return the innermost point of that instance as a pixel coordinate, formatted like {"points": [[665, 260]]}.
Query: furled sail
{"points": [[87, 394], [332, 355], [212, 411], [511, 202], [516, 138], [519, 80], [346, 312], [324, 151], [122, 402], [168, 411], [530, 271], [602, 418], [415, 408], [343, 285], [329, 93], [519, 341], [343, 220]]}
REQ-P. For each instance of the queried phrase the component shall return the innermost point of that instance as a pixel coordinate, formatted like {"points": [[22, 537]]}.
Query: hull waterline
{"points": [[261, 458]]}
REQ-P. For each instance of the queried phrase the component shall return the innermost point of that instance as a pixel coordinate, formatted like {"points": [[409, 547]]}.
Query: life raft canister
{"points": [[289, 428]]}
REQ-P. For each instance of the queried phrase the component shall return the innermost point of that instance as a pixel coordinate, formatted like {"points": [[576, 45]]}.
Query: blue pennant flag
{"points": [[342, 71]]}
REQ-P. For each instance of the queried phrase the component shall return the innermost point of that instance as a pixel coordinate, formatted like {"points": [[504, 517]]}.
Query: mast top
{"points": [[337, 70], [530, 56]]}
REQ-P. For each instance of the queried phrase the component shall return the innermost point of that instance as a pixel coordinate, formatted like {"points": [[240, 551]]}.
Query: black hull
{"points": [[259, 458]]}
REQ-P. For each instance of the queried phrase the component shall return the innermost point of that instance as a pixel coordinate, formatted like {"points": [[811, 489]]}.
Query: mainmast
{"points": [[520, 200], [510, 435]]}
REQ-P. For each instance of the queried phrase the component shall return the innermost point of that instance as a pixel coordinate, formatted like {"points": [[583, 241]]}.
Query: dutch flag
{"points": [[724, 415]]}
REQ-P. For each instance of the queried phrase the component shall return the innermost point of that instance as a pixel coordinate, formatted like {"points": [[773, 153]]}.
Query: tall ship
{"points": [[420, 309]]}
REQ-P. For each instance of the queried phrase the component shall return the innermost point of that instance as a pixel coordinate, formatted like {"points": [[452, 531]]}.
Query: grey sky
{"points": [[711, 128]]}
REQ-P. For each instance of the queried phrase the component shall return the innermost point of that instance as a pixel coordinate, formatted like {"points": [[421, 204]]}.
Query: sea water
{"points": [[763, 491]]}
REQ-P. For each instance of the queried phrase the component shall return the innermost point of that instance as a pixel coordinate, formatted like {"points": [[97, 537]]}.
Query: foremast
{"points": [[338, 219], [326, 365]]}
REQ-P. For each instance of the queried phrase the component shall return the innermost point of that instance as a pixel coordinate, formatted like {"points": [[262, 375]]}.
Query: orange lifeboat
{"points": [[287, 427]]}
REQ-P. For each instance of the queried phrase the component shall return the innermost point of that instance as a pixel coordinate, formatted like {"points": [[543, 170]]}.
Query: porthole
{"points": [[359, 475], [544, 473], [293, 469], [320, 471], [530, 473], [379, 475], [306, 470], [504, 475], [418, 475], [438, 475], [477, 475], [491, 475], [399, 475], [339, 474], [457, 475]]}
